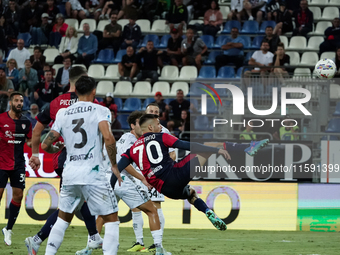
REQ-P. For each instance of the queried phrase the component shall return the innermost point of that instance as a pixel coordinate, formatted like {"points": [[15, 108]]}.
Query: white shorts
{"points": [[155, 196], [100, 199]]}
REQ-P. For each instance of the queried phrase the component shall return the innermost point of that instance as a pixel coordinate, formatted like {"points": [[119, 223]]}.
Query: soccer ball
{"points": [[325, 69]]}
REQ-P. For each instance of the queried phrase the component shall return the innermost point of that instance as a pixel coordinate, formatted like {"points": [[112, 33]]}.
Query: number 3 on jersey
{"points": [[154, 159], [78, 129]]}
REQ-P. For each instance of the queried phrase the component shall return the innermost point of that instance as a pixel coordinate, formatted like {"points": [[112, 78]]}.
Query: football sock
{"points": [[37, 239], [14, 209], [46, 229], [137, 219], [236, 147], [157, 237], [161, 218], [90, 221], [56, 236], [111, 238], [200, 205]]}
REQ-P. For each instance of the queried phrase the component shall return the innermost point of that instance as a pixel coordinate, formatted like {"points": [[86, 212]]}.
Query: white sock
{"points": [[95, 237], [111, 238], [37, 240], [157, 237], [56, 236], [137, 219], [161, 219]]}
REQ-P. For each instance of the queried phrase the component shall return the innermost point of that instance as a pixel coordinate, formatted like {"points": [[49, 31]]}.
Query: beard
{"points": [[16, 110]]}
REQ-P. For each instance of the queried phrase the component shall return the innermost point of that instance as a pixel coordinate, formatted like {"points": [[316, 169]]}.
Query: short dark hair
{"points": [[67, 57], [150, 41], [85, 85], [235, 28], [147, 117], [76, 72], [15, 93], [152, 104], [48, 71], [280, 44], [133, 117], [269, 27], [37, 48], [264, 41], [217, 4], [179, 90]]}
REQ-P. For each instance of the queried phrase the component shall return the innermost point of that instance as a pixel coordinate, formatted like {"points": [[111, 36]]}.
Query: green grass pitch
{"points": [[194, 241]]}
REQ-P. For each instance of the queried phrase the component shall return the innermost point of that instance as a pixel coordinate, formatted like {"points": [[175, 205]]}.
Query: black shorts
{"points": [[16, 177], [176, 185]]}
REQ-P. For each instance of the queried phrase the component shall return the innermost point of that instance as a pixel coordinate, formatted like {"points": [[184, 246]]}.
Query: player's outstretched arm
{"points": [[131, 170], [35, 141], [109, 140], [47, 144]]}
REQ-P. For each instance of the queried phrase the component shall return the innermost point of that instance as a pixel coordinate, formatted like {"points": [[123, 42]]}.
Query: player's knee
{"points": [[17, 196]]}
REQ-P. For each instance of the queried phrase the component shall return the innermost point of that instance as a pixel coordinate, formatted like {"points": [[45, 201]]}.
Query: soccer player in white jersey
{"points": [[84, 126]]}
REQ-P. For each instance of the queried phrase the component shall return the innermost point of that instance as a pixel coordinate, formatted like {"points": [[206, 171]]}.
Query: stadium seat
{"points": [[226, 72], [202, 123], [147, 101], [207, 72], [31, 51], [164, 42], [96, 71], [334, 92], [318, 2], [250, 27], [159, 26], [196, 21], [212, 56], [211, 106], [102, 24], [256, 44], [248, 56], [153, 38], [92, 23], [72, 22], [334, 3], [321, 26], [104, 87], [297, 43], [144, 25], [225, 11], [123, 88], [239, 72], [123, 22], [247, 41], [179, 85], [316, 12], [333, 126], [122, 118], [329, 13], [328, 54], [105, 56], [26, 37], [208, 40], [119, 56], [188, 73], [314, 43], [119, 102], [302, 72], [221, 40], [230, 24], [284, 40], [56, 67], [112, 72], [294, 57], [169, 73], [195, 89], [265, 24], [309, 59], [142, 88], [132, 104], [161, 86], [337, 110], [50, 55]]}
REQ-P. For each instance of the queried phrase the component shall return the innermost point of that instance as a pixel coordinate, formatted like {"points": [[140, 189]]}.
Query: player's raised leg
{"points": [[251, 149]]}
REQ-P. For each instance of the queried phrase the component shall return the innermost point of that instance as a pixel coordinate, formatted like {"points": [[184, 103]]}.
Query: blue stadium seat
{"points": [[194, 101], [147, 101], [168, 100], [105, 56], [153, 38], [211, 107], [229, 25], [333, 126], [267, 23], [331, 138], [201, 123], [208, 136], [119, 103], [248, 56], [257, 42], [250, 27], [226, 72], [247, 41], [26, 37], [194, 89], [337, 110], [132, 104], [212, 56], [100, 99], [221, 40], [207, 72], [119, 56], [239, 72], [164, 41], [122, 118], [208, 40]]}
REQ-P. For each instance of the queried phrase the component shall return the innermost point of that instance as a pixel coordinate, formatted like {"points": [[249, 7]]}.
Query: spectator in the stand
{"points": [[260, 59], [12, 17], [272, 8], [283, 19], [130, 9], [178, 16], [254, 9], [58, 30], [32, 113], [68, 46], [115, 124], [20, 54], [38, 59], [30, 16], [149, 65], [186, 125], [272, 39], [200, 7], [112, 35], [193, 48], [52, 10], [173, 53], [110, 6], [161, 105], [75, 10], [12, 72], [93, 8], [109, 102], [248, 133], [236, 7], [337, 62], [177, 106], [213, 19], [129, 66], [3, 41], [281, 59], [289, 129], [303, 19], [6, 87], [87, 47], [28, 78], [292, 5], [45, 91], [131, 35], [41, 34], [332, 35], [233, 51], [62, 78]]}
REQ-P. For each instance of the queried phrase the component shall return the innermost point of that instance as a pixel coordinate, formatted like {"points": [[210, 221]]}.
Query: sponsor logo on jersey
{"points": [[8, 134], [81, 157], [14, 141], [154, 170], [6, 125], [68, 101]]}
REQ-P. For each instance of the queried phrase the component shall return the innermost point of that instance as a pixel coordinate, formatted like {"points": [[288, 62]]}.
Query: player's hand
{"points": [[34, 163], [225, 154], [144, 181], [120, 181]]}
